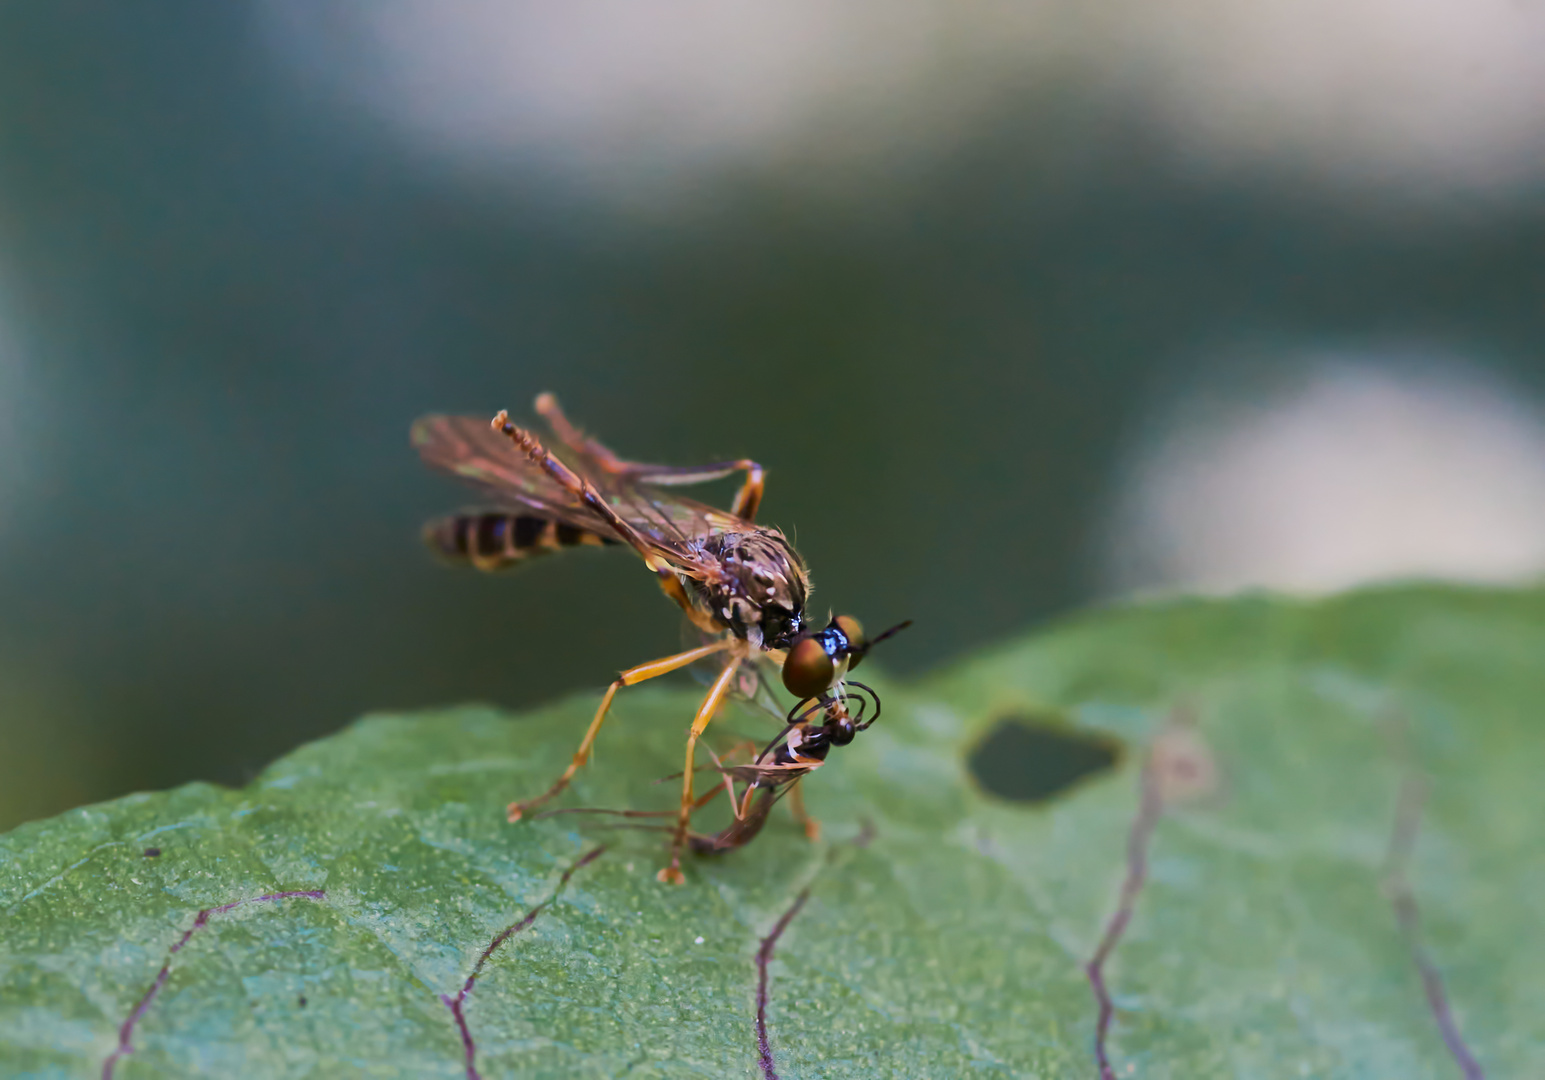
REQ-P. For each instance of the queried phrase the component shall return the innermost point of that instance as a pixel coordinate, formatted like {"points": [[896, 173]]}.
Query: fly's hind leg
{"points": [[630, 677], [547, 408], [671, 874], [747, 499]]}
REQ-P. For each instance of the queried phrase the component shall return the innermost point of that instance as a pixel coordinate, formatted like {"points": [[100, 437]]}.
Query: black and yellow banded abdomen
{"points": [[497, 540]]}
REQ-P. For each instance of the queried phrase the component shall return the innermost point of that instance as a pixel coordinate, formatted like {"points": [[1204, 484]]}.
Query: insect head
{"points": [[816, 662]]}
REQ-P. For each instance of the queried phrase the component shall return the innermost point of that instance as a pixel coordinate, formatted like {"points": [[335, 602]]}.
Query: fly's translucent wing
{"points": [[753, 685], [467, 448]]}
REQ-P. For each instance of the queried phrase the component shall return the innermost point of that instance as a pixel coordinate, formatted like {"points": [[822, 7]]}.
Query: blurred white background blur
{"points": [[1368, 466], [1363, 467], [1421, 94]]}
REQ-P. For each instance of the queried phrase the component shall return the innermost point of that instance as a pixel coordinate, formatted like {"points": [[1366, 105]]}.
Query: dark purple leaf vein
{"points": [[763, 956], [1150, 807], [126, 1031], [457, 1003], [1397, 886]]}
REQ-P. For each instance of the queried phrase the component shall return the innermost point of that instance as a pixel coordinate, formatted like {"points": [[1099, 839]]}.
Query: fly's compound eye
{"points": [[853, 630], [808, 671]]}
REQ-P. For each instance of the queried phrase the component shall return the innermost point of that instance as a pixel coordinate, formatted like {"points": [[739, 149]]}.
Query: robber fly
{"points": [[741, 584]]}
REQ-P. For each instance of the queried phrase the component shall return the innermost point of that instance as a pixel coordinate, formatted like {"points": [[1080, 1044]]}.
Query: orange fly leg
{"points": [[746, 500], [797, 805], [671, 586], [547, 408], [749, 497], [720, 689], [628, 678]]}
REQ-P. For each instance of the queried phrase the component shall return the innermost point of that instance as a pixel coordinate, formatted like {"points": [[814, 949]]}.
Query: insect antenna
{"points": [[898, 628]]}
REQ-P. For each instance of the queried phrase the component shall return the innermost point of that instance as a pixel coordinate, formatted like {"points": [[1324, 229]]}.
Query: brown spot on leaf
{"points": [[1182, 763]]}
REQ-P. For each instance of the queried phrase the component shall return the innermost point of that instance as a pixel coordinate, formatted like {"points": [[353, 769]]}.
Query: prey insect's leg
{"points": [[627, 678], [724, 784], [672, 874], [812, 827]]}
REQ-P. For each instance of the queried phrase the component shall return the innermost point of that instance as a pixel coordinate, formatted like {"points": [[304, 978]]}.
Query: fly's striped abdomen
{"points": [[498, 539]]}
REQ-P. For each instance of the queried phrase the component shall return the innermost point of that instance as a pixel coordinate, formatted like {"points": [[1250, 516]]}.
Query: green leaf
{"points": [[1295, 743]]}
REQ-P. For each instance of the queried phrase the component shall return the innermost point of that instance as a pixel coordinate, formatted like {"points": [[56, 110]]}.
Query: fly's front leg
{"points": [[720, 689], [632, 676]]}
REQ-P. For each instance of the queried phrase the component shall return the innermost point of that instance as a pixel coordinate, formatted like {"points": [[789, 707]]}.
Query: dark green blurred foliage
{"points": [[232, 299]]}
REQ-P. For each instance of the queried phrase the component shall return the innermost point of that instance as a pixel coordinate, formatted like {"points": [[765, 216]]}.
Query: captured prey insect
{"points": [[798, 750], [742, 585]]}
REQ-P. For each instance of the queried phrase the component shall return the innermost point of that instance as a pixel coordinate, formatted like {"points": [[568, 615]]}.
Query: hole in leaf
{"points": [[1031, 759]]}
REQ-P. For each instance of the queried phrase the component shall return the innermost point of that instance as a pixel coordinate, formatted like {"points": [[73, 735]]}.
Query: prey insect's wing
{"points": [[468, 449]]}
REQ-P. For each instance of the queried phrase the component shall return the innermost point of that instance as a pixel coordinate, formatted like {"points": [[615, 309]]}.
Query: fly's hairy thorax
{"points": [[761, 591]]}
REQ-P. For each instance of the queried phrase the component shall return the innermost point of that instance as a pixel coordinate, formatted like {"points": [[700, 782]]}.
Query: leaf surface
{"points": [[1328, 801]]}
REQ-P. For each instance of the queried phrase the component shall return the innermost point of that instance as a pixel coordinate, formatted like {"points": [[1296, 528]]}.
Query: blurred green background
{"points": [[962, 286]]}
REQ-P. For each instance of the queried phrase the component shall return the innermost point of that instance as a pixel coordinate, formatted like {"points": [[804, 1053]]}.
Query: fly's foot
{"points": [[515, 811], [812, 829], [671, 875]]}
